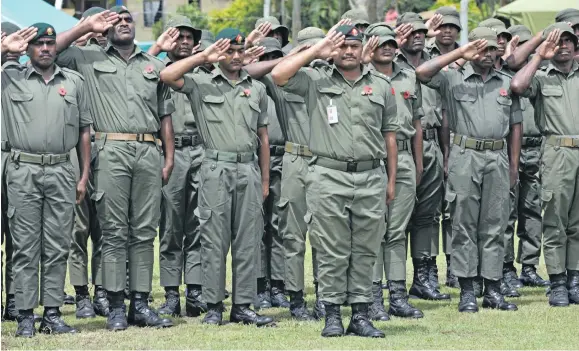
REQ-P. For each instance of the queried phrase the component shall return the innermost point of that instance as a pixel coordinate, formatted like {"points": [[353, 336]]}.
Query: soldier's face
{"points": [[448, 34], [362, 27], [349, 55], [185, 44], [487, 58], [102, 39], [42, 52], [123, 32], [385, 53], [270, 56], [566, 49], [502, 40], [277, 34], [234, 57], [415, 42]]}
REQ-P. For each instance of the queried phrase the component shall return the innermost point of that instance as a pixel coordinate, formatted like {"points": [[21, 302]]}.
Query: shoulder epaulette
{"points": [[380, 75], [68, 70]]}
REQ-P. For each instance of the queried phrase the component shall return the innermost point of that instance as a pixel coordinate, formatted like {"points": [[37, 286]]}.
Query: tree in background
{"points": [[475, 10], [198, 18], [241, 14], [414, 5]]}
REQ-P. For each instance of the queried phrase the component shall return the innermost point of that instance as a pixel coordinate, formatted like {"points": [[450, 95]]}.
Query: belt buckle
{"points": [[45, 160], [351, 166], [140, 137], [238, 158], [479, 144], [187, 138], [489, 145], [178, 142]]}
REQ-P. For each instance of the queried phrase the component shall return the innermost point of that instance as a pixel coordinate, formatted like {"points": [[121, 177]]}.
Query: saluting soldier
{"points": [[359, 18], [40, 178]]}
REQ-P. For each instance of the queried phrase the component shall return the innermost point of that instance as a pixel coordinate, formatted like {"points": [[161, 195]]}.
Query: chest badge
{"points": [[62, 91]]}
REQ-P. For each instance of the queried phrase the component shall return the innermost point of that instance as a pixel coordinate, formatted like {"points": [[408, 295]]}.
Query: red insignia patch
{"points": [[503, 92], [238, 39], [62, 91], [393, 91], [149, 69], [406, 95], [367, 90], [246, 93]]}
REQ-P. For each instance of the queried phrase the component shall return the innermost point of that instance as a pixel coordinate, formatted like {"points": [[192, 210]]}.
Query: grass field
{"points": [[534, 326]]}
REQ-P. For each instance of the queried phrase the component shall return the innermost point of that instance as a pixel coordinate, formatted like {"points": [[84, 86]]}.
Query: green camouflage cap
{"points": [[207, 35], [235, 36], [379, 29], [92, 11], [522, 31], [310, 36], [484, 33], [564, 27], [271, 45], [275, 26], [119, 9], [45, 30], [350, 32], [413, 18], [568, 15], [9, 28], [358, 17], [497, 25], [449, 16], [179, 21]]}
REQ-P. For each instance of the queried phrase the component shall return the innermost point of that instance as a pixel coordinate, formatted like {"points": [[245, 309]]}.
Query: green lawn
{"points": [[534, 326]]}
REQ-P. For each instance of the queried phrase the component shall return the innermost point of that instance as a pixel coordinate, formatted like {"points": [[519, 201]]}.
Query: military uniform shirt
{"points": [[529, 126], [408, 100], [556, 100], [274, 129], [125, 96], [366, 109], [228, 113], [183, 118], [7, 65], [43, 117], [475, 108], [431, 100]]}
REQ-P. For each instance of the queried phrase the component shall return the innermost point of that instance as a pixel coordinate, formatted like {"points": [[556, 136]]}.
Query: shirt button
{"points": [[213, 166]]}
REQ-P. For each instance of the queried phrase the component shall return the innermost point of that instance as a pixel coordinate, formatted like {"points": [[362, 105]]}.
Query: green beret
{"points": [[413, 18], [179, 21], [522, 31], [271, 45], [235, 36], [119, 9], [45, 30], [568, 15], [564, 27], [92, 11], [275, 25], [9, 28], [449, 16], [358, 17], [379, 29], [310, 36], [350, 32], [484, 33], [497, 25]]}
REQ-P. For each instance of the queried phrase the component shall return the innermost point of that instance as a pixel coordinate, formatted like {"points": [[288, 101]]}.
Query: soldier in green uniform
{"points": [[553, 91], [480, 168], [40, 178], [277, 31], [359, 18], [570, 16], [86, 226], [424, 235], [526, 196], [352, 118], [231, 113], [132, 109], [381, 50], [180, 245], [503, 39]]}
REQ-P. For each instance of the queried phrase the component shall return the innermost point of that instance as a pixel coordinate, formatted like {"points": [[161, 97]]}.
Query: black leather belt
{"points": [[429, 134], [276, 150], [348, 166], [532, 141], [187, 140]]}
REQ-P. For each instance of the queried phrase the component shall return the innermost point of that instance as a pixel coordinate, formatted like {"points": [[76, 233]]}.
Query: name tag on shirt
{"points": [[332, 112]]}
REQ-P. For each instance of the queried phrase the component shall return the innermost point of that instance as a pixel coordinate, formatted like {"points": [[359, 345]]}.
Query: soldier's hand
{"points": [[512, 46], [369, 49], [265, 189], [550, 46], [253, 54], [514, 176], [390, 193], [432, 24], [166, 174], [474, 49], [296, 50], [326, 47], [102, 22], [18, 42], [215, 52], [445, 163], [403, 31], [168, 40], [80, 191], [419, 172], [257, 34]]}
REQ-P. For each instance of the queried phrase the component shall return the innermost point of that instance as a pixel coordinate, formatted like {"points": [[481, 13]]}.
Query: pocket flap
{"points": [[330, 90], [546, 195], [254, 105], [21, 96], [308, 217], [202, 213], [150, 75], [105, 67], [282, 203], [552, 91], [463, 96], [70, 99], [504, 100], [294, 98], [212, 99], [376, 99], [97, 195], [449, 196], [11, 211]]}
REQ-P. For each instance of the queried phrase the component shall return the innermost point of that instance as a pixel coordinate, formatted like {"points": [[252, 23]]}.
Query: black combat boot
{"points": [[433, 273], [68, 299], [333, 326], [493, 297], [172, 304], [116, 319], [360, 325], [244, 314], [25, 320], [84, 307], [508, 291], [52, 323], [478, 284], [573, 286], [421, 288], [141, 315], [376, 311], [399, 305], [451, 279], [263, 300], [100, 303], [10, 313], [319, 307], [298, 307], [467, 296], [194, 305], [559, 296], [510, 275], [214, 314], [529, 277], [278, 298]]}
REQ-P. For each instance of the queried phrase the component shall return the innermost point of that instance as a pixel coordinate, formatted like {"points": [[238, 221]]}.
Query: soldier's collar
{"points": [[137, 50], [395, 69], [31, 70], [424, 56], [93, 41], [434, 47], [365, 70], [243, 75], [468, 71], [551, 67]]}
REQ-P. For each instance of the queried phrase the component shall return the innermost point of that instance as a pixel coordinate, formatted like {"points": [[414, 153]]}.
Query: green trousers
{"points": [[86, 225], [180, 243], [445, 222], [425, 222], [230, 200], [346, 221], [128, 199], [526, 209], [478, 196], [271, 247], [560, 196], [8, 282], [41, 208], [293, 228], [392, 256]]}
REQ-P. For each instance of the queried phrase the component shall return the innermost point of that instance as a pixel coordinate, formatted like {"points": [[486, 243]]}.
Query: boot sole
{"points": [[252, 323], [497, 308], [366, 336], [559, 304], [166, 325], [25, 336], [415, 297]]}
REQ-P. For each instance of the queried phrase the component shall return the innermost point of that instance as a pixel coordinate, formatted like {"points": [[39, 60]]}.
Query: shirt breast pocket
{"points": [[373, 110], [504, 104], [21, 104], [553, 101], [71, 121], [213, 108], [105, 73], [148, 90], [327, 95], [251, 114], [296, 102]]}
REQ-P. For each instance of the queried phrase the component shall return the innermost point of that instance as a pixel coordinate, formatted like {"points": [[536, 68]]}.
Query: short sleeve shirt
{"points": [[183, 118]]}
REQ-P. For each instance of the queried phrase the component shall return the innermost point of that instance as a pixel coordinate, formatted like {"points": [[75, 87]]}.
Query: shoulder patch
{"points": [[67, 70]]}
